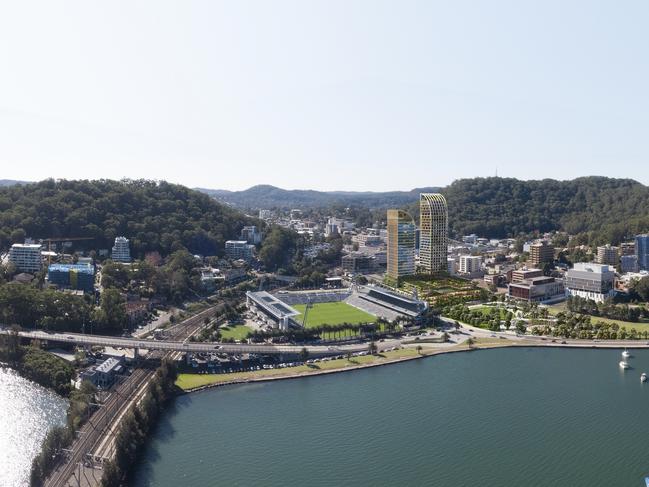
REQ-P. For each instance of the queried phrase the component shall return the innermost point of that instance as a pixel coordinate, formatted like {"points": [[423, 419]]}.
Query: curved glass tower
{"points": [[433, 240], [401, 244]]}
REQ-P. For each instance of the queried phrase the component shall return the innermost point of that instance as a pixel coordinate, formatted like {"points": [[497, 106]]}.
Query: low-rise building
{"points": [[608, 255], [470, 264], [541, 253], [72, 276], [358, 263], [104, 374], [121, 251], [541, 289], [627, 248], [525, 273], [26, 257], [251, 234], [590, 281], [239, 249], [451, 264], [628, 263], [265, 214]]}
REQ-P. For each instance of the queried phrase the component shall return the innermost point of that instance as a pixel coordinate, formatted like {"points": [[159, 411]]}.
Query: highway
{"points": [[183, 346]]}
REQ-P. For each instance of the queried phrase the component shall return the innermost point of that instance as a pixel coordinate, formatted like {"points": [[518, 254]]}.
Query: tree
{"points": [[14, 352], [304, 354], [419, 349], [641, 288], [111, 313], [470, 342], [372, 348]]}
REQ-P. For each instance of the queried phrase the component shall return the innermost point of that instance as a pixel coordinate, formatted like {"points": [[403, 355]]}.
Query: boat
{"points": [[624, 364], [643, 377], [626, 353]]}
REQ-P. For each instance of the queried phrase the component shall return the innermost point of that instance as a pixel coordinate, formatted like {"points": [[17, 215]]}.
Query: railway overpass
{"points": [[183, 346]]}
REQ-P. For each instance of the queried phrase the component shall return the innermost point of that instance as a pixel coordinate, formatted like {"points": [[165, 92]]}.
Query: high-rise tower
{"points": [[401, 244], [433, 241]]}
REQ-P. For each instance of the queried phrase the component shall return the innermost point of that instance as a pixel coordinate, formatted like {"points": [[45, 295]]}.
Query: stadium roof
{"points": [[272, 305]]}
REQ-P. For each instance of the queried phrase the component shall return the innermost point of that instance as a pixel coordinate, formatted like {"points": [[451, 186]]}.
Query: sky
{"points": [[330, 95]]}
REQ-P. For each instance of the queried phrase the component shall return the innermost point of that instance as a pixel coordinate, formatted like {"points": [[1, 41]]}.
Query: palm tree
{"points": [[470, 342], [372, 348], [419, 349]]}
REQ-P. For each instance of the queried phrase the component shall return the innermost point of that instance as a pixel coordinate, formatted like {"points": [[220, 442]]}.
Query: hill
{"points": [[606, 209], [154, 215], [603, 209], [266, 196]]}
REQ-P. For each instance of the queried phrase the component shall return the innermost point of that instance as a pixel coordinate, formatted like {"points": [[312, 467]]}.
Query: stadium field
{"points": [[332, 314]]}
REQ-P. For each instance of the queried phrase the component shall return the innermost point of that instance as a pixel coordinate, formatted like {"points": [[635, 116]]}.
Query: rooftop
{"points": [[84, 268], [108, 365], [272, 304]]}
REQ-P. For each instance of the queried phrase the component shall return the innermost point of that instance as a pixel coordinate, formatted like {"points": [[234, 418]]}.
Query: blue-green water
{"points": [[506, 417]]}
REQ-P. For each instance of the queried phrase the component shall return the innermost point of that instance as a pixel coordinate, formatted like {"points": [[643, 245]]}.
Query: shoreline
{"points": [[458, 349], [301, 375]]}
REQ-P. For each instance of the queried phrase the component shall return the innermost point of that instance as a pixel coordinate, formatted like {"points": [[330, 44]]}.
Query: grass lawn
{"points": [[640, 326], [238, 332], [486, 310], [333, 314], [189, 381]]}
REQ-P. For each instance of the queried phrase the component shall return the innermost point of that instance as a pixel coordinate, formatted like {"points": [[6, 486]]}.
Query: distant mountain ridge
{"points": [[267, 196], [11, 182]]}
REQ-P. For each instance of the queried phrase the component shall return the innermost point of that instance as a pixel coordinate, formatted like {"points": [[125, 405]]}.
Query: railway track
{"points": [[95, 440]]}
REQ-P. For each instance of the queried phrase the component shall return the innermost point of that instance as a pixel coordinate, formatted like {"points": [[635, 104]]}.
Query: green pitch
{"points": [[332, 314]]}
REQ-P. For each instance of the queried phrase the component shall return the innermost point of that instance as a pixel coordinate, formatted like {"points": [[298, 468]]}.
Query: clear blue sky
{"points": [[349, 94]]}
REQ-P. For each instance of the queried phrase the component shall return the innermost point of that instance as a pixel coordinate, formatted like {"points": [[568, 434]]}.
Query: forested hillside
{"points": [[154, 215], [607, 209]]}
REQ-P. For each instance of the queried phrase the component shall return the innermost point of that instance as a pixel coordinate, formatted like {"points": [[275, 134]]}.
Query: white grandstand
{"points": [[277, 309]]}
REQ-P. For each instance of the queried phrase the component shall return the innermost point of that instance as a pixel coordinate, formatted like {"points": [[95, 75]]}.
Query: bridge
{"points": [[186, 346]]}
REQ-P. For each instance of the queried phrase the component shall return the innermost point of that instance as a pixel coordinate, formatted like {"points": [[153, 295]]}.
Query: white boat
{"points": [[626, 353], [643, 377], [624, 364]]}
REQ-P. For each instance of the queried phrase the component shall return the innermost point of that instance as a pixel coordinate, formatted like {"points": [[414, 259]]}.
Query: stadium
{"points": [[360, 304]]}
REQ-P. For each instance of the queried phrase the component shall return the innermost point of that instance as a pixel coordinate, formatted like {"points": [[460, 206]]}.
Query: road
{"points": [[182, 345]]}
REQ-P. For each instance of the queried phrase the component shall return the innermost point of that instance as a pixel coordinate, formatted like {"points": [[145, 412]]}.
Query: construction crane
{"points": [[61, 239]]}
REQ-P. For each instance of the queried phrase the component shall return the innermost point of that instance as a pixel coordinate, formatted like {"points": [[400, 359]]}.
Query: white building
{"points": [[470, 264], [265, 214], [239, 249], [26, 257], [251, 234], [590, 281], [121, 251]]}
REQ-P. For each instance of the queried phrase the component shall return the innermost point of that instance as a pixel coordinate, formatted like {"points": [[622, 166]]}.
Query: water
{"points": [[27, 412], [505, 417]]}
